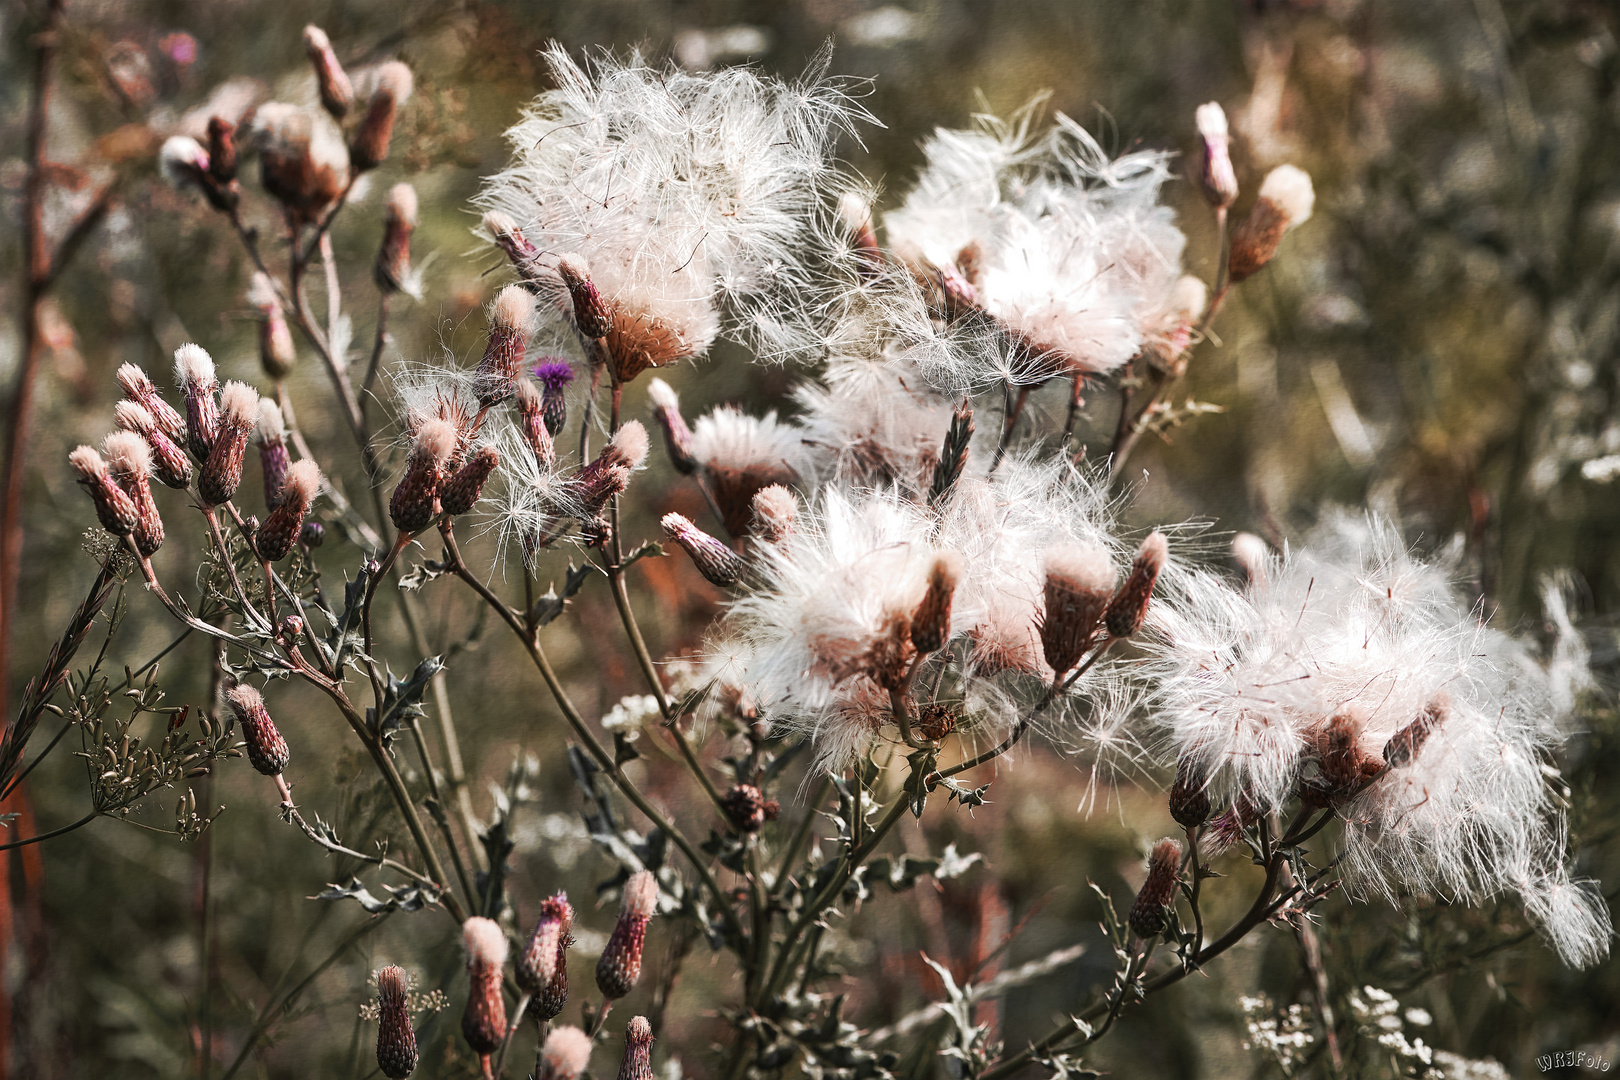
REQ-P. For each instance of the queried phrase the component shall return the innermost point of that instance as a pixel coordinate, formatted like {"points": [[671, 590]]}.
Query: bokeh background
{"points": [[1439, 342]]}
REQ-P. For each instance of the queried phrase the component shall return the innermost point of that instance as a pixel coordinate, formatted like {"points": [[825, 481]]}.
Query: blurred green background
{"points": [[1439, 342]]}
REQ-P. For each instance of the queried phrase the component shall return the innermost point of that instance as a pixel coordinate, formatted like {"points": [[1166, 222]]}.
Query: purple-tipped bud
{"points": [[483, 1022], [1079, 582], [376, 130], [508, 339], [129, 460], [718, 564], [266, 750], [466, 485], [298, 490], [337, 92], [1189, 795], [1128, 607], [565, 1055], [1148, 914], [592, 317], [1215, 174], [169, 461], [312, 535], [532, 423], [542, 970], [194, 373], [620, 965], [931, 622], [677, 435], [273, 456], [139, 389], [396, 1041], [555, 374], [392, 271], [414, 504], [638, 1040], [221, 473], [114, 508]]}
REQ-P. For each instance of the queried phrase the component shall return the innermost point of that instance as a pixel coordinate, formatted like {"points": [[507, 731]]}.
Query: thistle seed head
{"points": [[273, 456], [139, 389], [592, 315], [531, 405], [394, 83], [1407, 743], [465, 486], [931, 622], [222, 154], [1189, 795], [393, 268], [221, 473], [774, 508], [565, 1055], [677, 435], [414, 502], [542, 969], [169, 461], [509, 318], [483, 1022]]}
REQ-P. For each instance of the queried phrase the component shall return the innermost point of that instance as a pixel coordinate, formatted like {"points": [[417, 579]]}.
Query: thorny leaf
{"points": [[411, 897], [402, 699], [652, 549], [427, 570], [346, 643], [922, 765], [548, 607], [1116, 930]]}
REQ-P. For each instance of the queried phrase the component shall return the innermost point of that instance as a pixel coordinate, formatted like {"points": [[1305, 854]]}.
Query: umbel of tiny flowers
{"points": [[396, 1040], [555, 374], [1285, 202], [1148, 914], [392, 270], [273, 456], [465, 486], [298, 490], [130, 461], [638, 1040], [718, 564], [564, 1055], [542, 969], [169, 461], [138, 388], [483, 1022], [221, 472], [337, 92], [266, 750], [194, 374], [620, 965], [415, 500], [677, 436], [509, 319], [391, 84], [114, 508], [277, 354]]}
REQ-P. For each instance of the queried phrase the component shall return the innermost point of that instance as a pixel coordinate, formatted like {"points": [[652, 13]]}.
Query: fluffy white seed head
{"points": [[1211, 120], [133, 416], [566, 1053], [272, 428], [776, 506], [436, 439], [238, 404], [87, 463], [128, 454], [728, 438], [1188, 297], [512, 308], [663, 395], [1082, 567], [640, 894], [181, 159], [631, 443], [303, 482], [194, 367], [245, 699], [402, 203], [1289, 187], [484, 941]]}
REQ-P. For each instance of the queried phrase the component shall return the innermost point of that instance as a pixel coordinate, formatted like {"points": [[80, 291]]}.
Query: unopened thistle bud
{"points": [[620, 965], [186, 163], [591, 315], [115, 509], [1189, 795], [555, 374], [266, 750], [194, 374], [718, 564], [221, 474], [565, 1055], [1148, 914], [337, 92], [312, 535], [483, 1022], [222, 155], [1286, 200], [542, 969], [1343, 766], [931, 622], [376, 130], [1079, 582], [273, 457], [855, 215], [1215, 174], [303, 163], [749, 809], [139, 389], [638, 1040], [1128, 607], [289, 632], [774, 508], [298, 490], [396, 1041], [129, 460], [597, 486], [510, 239], [628, 448], [277, 354], [393, 269], [415, 500], [677, 436], [465, 486], [531, 408], [503, 353], [169, 462], [1405, 745]]}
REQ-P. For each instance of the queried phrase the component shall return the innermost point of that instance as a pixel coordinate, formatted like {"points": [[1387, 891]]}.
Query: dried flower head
{"points": [[931, 622], [414, 503], [221, 473], [286, 521], [1128, 608], [396, 1041], [1079, 583], [169, 461], [194, 374], [130, 461], [465, 486], [266, 750], [1286, 200], [638, 1040], [114, 508], [542, 969], [508, 338], [303, 162], [741, 455], [1148, 914], [620, 964], [483, 1022]]}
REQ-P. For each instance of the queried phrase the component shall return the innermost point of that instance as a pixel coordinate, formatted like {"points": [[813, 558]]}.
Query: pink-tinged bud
{"points": [[169, 462], [638, 1040], [289, 632], [129, 460], [959, 296], [1189, 795], [855, 215], [115, 509], [303, 162], [273, 456], [222, 155], [396, 1041], [510, 239], [1286, 200], [1405, 745], [1344, 768], [620, 965], [1215, 174], [298, 490], [194, 374], [1228, 827], [565, 1055], [555, 374], [749, 809], [509, 319], [185, 163], [466, 485], [266, 750], [542, 970], [531, 408], [1148, 915], [1253, 557], [483, 1023], [718, 564], [774, 508], [1079, 582], [591, 315], [392, 271], [414, 504], [677, 436], [931, 622], [312, 535], [1128, 607], [628, 448], [221, 474], [337, 92], [139, 389], [394, 84], [277, 354], [597, 486]]}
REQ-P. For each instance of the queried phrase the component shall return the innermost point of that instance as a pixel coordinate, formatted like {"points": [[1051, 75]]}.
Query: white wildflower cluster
{"points": [[1283, 1036], [629, 714], [1379, 1016]]}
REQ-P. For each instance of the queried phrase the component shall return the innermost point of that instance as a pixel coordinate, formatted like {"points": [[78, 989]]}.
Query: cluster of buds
{"points": [[620, 964], [397, 1054], [502, 362], [483, 1022], [542, 969], [285, 524], [1149, 914]]}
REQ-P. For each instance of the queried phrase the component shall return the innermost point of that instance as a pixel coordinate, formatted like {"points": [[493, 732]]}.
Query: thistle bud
{"points": [[774, 509], [129, 460], [503, 354], [931, 622], [266, 750], [465, 486], [277, 354], [855, 215], [510, 239], [591, 315], [312, 535], [565, 1055], [620, 965], [273, 457], [290, 630], [370, 147], [483, 1022], [749, 809], [959, 296], [677, 436], [139, 389], [1215, 174], [627, 448], [1286, 200], [222, 155], [638, 1040], [221, 474], [718, 564], [337, 92], [185, 163], [275, 537], [194, 374], [596, 487], [1148, 915], [303, 163], [531, 414], [169, 462], [542, 969], [1128, 607], [1079, 582], [1253, 558], [1405, 745], [1189, 795], [115, 509], [555, 374], [396, 1041], [414, 503], [392, 271]]}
